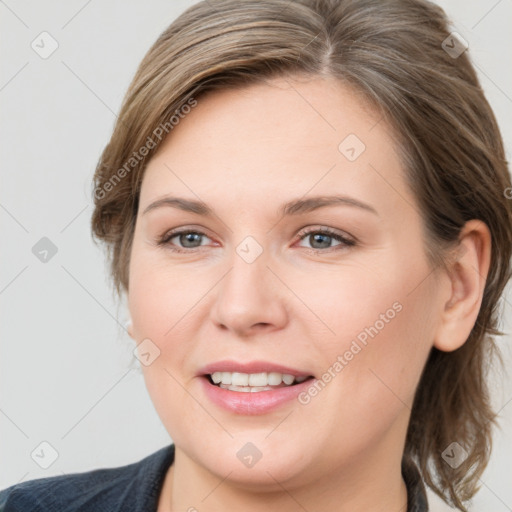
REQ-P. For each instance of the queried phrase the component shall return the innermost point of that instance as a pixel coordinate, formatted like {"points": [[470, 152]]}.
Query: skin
{"points": [[245, 152]]}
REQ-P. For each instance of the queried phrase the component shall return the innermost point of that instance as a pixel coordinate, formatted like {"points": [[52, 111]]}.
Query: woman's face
{"points": [[253, 289]]}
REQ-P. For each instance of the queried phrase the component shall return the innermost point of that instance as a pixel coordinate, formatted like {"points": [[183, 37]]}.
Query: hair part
{"points": [[391, 54]]}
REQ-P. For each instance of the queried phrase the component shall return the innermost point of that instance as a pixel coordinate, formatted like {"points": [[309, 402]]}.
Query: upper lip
{"points": [[251, 367]]}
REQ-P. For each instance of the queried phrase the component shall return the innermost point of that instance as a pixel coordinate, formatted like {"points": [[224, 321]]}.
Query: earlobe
{"points": [[129, 328], [468, 274]]}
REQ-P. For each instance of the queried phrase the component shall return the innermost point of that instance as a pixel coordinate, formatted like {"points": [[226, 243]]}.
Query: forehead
{"points": [[286, 113], [287, 134]]}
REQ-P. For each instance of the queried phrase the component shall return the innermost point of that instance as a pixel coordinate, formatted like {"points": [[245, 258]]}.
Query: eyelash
{"points": [[345, 241]]}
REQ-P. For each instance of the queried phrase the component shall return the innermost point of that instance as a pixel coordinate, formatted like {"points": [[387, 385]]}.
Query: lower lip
{"points": [[250, 403]]}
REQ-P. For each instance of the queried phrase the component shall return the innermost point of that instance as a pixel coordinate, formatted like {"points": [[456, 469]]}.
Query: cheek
{"points": [[381, 329], [160, 295], [159, 302]]}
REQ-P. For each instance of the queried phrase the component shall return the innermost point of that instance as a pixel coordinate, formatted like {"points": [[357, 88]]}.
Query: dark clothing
{"points": [[132, 488]]}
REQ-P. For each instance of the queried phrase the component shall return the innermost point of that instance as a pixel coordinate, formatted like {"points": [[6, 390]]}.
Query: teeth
{"points": [[288, 379], [274, 378], [239, 379], [258, 379], [254, 381]]}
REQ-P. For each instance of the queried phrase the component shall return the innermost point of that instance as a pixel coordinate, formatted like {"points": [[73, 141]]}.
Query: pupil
{"points": [[325, 237], [187, 238]]}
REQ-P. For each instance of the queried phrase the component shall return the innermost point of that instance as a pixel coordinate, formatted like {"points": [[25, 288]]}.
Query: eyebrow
{"points": [[294, 207]]}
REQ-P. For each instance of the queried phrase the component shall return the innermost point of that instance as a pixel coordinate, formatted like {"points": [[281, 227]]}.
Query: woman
{"points": [[306, 205]]}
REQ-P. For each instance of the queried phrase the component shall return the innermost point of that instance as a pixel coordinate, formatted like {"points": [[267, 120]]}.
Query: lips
{"points": [[249, 399]]}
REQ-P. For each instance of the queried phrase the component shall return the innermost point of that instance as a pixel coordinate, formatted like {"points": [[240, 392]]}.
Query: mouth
{"points": [[254, 382], [254, 387]]}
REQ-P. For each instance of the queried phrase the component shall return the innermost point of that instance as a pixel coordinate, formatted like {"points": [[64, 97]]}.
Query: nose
{"points": [[250, 298]]}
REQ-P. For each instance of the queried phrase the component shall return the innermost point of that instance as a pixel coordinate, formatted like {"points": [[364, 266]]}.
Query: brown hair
{"points": [[391, 52]]}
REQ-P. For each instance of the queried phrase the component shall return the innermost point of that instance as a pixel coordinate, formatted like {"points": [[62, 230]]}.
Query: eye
{"points": [[187, 238], [323, 238]]}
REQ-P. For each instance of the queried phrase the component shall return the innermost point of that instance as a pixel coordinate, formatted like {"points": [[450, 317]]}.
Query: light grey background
{"points": [[67, 373]]}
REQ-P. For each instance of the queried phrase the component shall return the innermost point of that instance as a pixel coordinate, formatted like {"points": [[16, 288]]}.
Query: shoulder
{"points": [[133, 487]]}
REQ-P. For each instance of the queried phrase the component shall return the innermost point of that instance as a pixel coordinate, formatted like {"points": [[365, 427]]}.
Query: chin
{"points": [[258, 464]]}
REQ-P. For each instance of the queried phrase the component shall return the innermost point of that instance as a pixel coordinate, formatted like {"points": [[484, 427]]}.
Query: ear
{"points": [[129, 328], [468, 274]]}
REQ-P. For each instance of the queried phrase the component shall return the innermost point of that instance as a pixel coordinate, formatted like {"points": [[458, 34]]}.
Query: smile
{"points": [[252, 388]]}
